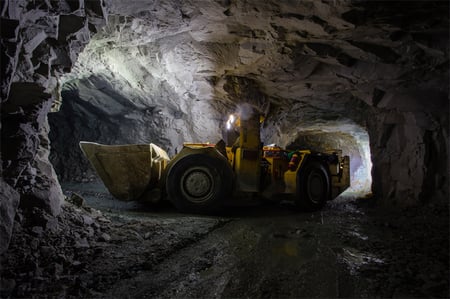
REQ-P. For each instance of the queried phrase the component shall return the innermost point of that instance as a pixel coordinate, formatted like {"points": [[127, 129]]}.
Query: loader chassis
{"points": [[203, 176]]}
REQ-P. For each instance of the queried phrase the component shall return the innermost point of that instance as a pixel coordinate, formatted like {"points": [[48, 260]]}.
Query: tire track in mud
{"points": [[180, 272], [187, 242], [140, 245], [282, 256]]}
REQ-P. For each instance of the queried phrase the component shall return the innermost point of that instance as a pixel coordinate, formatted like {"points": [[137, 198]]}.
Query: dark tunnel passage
{"points": [[368, 79]]}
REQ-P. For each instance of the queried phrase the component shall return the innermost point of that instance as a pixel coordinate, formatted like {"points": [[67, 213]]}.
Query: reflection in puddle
{"points": [[358, 235], [355, 259], [290, 249]]}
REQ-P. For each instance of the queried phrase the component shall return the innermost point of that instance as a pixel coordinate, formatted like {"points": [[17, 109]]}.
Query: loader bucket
{"points": [[127, 170]]}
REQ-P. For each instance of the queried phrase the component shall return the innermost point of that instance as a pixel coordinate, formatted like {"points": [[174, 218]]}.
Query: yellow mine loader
{"points": [[202, 177]]}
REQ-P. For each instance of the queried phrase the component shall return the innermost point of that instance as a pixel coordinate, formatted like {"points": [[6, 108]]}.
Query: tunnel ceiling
{"points": [[307, 65]]}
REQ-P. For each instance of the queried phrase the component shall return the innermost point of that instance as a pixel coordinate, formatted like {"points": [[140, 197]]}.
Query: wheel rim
{"points": [[316, 187], [197, 184]]}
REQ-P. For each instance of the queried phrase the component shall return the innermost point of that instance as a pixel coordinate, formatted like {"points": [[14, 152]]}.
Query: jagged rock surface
{"points": [[40, 41], [9, 201]]}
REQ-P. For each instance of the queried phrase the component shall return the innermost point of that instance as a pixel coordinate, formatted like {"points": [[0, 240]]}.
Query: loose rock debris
{"points": [[347, 250]]}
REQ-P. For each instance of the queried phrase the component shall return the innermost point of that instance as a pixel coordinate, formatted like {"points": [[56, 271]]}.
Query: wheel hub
{"points": [[197, 184]]}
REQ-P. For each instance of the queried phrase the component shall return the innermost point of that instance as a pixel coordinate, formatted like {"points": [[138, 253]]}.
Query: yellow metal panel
{"points": [[290, 181], [290, 176], [248, 169], [247, 164], [249, 134], [230, 155]]}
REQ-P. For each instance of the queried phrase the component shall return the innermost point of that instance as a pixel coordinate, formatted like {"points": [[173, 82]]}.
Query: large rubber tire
{"points": [[313, 187], [199, 183]]}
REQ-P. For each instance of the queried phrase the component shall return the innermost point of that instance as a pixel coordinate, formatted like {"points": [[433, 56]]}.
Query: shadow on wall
{"points": [[98, 115]]}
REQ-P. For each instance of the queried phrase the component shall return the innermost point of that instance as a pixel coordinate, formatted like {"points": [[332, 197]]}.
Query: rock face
{"points": [[9, 200], [371, 74], [410, 141], [40, 41]]}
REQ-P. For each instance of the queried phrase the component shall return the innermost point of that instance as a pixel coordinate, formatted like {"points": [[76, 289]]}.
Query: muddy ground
{"points": [[102, 248]]}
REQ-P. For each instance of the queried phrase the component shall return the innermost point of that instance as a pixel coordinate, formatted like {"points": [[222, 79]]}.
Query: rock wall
{"points": [[40, 41], [409, 142]]}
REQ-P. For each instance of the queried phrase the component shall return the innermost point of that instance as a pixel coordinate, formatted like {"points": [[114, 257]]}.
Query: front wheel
{"points": [[313, 187], [199, 183]]}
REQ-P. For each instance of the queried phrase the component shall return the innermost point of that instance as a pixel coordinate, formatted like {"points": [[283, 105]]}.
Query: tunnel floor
{"points": [[100, 247]]}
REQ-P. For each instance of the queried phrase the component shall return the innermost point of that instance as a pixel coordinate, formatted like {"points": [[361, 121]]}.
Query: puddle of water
{"points": [[289, 249], [355, 259], [358, 235]]}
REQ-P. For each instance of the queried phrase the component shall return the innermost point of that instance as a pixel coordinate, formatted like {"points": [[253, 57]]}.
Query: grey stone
{"points": [[82, 243], [87, 220], [9, 201], [37, 231], [90, 232], [52, 225], [77, 199], [46, 197], [104, 237]]}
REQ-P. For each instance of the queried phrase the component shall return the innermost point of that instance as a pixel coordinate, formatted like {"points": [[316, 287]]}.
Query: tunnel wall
{"points": [[409, 144], [40, 41]]}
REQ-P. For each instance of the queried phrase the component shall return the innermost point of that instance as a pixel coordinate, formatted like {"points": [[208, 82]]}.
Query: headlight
{"points": [[230, 121]]}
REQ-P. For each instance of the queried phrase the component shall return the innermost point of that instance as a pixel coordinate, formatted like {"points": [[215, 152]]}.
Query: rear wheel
{"points": [[199, 183], [313, 187]]}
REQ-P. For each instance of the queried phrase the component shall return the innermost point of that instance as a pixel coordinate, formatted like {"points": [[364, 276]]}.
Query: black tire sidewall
{"points": [[222, 183], [303, 200]]}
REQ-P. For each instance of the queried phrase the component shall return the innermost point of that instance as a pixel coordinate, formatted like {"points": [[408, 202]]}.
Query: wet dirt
{"points": [[349, 249]]}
